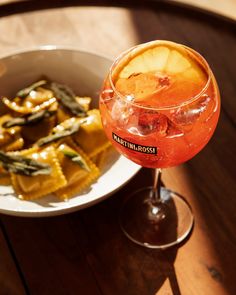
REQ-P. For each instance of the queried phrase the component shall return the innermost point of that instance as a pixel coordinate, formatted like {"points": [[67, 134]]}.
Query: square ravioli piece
{"points": [[100, 160], [33, 187], [10, 138], [5, 178], [91, 136], [78, 169]]}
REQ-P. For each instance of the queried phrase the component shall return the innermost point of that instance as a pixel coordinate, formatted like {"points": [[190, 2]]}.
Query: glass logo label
{"points": [[133, 146]]}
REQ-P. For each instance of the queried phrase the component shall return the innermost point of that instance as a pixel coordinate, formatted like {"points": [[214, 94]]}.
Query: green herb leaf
{"points": [[28, 119], [68, 99], [58, 134], [26, 91], [76, 158], [70, 153], [80, 161], [22, 165]]}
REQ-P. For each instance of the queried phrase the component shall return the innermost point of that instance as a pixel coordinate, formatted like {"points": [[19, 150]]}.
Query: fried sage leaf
{"points": [[22, 165], [68, 99], [76, 157], [59, 133], [26, 91], [29, 119]]}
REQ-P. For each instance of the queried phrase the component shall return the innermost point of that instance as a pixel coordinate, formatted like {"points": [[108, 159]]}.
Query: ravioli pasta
{"points": [[77, 176], [32, 187], [10, 138], [91, 136], [51, 141]]}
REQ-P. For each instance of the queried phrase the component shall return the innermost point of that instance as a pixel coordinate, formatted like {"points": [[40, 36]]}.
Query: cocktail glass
{"points": [[160, 105]]}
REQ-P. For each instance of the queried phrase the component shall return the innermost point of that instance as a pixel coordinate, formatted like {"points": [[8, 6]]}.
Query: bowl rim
{"points": [[51, 47], [62, 211]]}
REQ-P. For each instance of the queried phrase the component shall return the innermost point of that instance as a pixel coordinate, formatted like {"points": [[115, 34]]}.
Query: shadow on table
{"points": [[89, 245], [130, 268]]}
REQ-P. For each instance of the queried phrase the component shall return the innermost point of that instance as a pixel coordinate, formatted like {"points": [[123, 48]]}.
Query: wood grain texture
{"points": [[226, 8], [50, 256], [85, 252], [10, 280]]}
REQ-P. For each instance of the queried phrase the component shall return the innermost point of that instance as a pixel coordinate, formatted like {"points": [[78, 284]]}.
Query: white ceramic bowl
{"points": [[84, 73]]}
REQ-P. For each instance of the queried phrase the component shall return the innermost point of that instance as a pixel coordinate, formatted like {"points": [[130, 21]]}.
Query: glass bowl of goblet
{"points": [[159, 105]]}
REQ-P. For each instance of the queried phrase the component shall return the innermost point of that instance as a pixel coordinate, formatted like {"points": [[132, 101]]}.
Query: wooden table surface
{"points": [[85, 252]]}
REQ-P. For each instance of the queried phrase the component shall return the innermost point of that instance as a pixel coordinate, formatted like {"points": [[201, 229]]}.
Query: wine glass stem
{"points": [[157, 186]]}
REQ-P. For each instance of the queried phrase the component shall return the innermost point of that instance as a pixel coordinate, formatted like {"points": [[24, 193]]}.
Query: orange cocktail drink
{"points": [[160, 104]]}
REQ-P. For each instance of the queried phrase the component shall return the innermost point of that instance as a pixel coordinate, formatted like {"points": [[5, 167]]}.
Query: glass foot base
{"points": [[156, 226]]}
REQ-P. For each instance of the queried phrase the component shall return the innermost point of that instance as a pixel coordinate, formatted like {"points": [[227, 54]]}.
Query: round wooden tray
{"points": [[205, 264]]}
